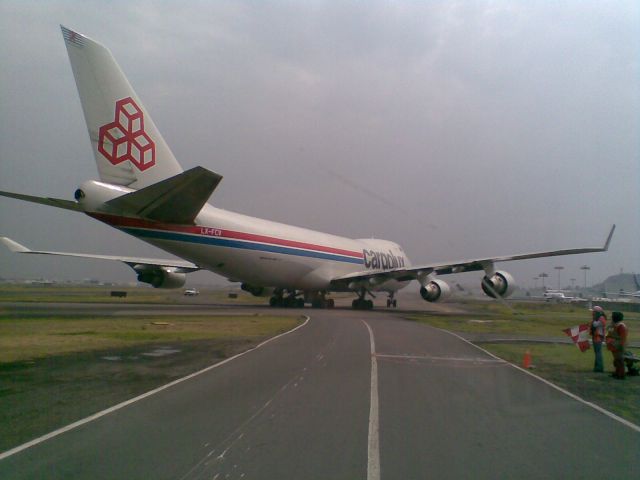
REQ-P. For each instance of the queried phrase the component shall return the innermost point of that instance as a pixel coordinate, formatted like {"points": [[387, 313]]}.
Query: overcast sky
{"points": [[458, 129]]}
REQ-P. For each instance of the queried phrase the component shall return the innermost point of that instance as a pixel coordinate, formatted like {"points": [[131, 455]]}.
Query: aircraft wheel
{"points": [[368, 304], [395, 303], [331, 303], [300, 302], [388, 303], [275, 302]]}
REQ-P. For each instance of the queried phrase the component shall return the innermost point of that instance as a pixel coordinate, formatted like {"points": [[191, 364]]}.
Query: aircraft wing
{"points": [[444, 268], [54, 202], [180, 266]]}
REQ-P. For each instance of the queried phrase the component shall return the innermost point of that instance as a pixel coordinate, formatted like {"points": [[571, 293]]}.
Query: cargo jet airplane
{"points": [[143, 191]]}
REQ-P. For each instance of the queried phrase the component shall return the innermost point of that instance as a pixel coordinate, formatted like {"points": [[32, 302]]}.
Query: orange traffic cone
{"points": [[526, 360]]}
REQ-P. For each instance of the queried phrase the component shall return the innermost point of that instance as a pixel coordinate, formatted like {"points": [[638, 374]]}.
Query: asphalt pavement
{"points": [[316, 403]]}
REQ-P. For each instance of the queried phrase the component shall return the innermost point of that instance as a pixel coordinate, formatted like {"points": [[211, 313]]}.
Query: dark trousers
{"points": [[598, 365], [618, 363]]}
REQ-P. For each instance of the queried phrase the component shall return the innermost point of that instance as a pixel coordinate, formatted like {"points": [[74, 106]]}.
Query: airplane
{"points": [[560, 297], [144, 192], [191, 292], [636, 294]]}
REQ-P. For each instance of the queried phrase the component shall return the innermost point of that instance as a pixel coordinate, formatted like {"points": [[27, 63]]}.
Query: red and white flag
{"points": [[580, 336]]}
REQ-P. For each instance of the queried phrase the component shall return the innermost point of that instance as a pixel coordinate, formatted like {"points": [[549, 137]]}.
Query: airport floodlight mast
{"points": [[585, 268], [573, 281], [543, 275], [559, 268]]}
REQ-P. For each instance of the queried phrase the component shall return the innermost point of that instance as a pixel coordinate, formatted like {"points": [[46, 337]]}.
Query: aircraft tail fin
{"points": [[127, 146], [178, 199]]}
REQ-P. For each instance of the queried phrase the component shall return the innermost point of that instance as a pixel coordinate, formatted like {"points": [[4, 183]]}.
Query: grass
{"points": [[55, 370], [102, 294], [562, 364], [32, 338], [537, 319]]}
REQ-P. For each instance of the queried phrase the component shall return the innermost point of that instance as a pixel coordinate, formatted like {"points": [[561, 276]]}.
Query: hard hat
{"points": [[597, 308]]}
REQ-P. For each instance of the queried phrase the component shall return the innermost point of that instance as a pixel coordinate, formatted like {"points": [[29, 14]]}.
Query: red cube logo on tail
{"points": [[125, 139]]}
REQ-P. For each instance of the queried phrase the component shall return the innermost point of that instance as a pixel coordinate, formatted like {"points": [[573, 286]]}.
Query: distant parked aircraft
{"points": [[560, 297]]}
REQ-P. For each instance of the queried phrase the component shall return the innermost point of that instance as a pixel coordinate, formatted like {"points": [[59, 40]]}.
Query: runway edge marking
{"points": [[373, 449], [109, 410], [609, 414]]}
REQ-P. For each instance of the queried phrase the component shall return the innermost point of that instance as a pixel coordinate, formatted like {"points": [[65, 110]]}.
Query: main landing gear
{"points": [[319, 300], [293, 299], [279, 299], [361, 303], [392, 302]]}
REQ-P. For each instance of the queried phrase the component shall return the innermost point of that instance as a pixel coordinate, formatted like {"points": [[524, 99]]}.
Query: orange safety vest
{"points": [[617, 337]]}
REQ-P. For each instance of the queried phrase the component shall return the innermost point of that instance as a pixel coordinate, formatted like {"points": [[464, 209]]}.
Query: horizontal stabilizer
{"points": [[178, 199], [180, 265], [54, 202]]}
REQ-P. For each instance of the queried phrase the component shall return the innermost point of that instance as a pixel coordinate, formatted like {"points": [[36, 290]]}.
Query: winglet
{"points": [[14, 246], [606, 244]]}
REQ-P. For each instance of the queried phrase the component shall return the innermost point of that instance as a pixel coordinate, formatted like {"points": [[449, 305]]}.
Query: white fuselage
{"points": [[265, 253]]}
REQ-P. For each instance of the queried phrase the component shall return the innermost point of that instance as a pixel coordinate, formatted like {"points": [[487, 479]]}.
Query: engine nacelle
{"points": [[257, 291], [162, 278], [501, 282], [435, 291], [92, 195]]}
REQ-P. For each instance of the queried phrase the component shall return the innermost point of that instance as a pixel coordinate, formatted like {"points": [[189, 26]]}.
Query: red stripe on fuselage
{"points": [[117, 221]]}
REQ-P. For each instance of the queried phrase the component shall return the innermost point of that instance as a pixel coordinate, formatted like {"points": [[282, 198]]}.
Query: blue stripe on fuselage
{"points": [[224, 242]]}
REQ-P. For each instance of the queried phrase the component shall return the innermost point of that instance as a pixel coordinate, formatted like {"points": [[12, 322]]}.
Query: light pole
{"points": [[535, 283], [573, 281], [559, 268], [543, 276], [585, 268]]}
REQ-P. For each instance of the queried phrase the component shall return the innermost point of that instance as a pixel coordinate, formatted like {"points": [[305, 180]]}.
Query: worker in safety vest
{"points": [[616, 343], [598, 325]]}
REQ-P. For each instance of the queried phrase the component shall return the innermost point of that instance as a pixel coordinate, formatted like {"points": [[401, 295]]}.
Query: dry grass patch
{"points": [[24, 339]]}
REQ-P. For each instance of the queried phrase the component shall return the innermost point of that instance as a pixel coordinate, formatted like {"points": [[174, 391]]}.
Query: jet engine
{"points": [[162, 278], [435, 291], [500, 282]]}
